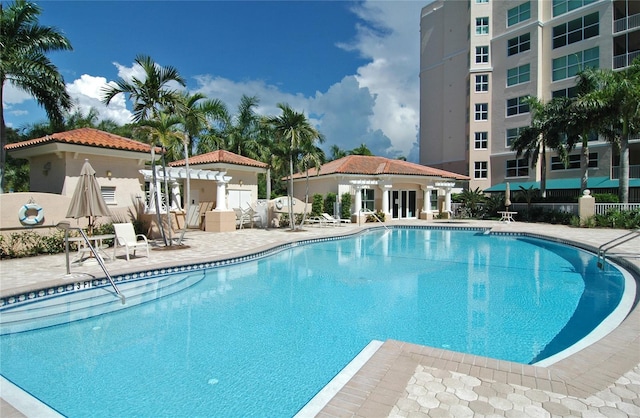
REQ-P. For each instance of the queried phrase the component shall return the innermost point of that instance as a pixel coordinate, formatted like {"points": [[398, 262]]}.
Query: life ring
{"points": [[26, 219], [278, 203]]}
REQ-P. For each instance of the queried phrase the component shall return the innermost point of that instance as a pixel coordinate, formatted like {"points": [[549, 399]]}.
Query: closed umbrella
{"points": [[507, 196], [87, 199]]}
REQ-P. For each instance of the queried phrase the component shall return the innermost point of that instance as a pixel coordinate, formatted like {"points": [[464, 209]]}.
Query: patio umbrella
{"points": [[507, 196], [87, 199]]}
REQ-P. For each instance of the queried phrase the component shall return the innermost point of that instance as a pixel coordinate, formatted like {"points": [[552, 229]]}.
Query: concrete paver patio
{"points": [[407, 380]]}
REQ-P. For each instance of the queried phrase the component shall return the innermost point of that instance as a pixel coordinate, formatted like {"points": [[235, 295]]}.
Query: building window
{"points": [[519, 14], [482, 54], [513, 134], [482, 111], [573, 162], [481, 140], [482, 1], [109, 195], [568, 93], [561, 7], [482, 25], [519, 44], [482, 82], [518, 75], [517, 106], [576, 30], [517, 168], [480, 170], [572, 64], [368, 199]]}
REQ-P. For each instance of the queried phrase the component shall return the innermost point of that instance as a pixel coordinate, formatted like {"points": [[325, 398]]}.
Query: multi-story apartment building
{"points": [[480, 59]]}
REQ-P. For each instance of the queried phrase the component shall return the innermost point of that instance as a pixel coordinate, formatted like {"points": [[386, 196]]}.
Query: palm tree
{"points": [[294, 130], [361, 150], [23, 62], [150, 95], [545, 131], [337, 152], [243, 132], [195, 113], [614, 96]]}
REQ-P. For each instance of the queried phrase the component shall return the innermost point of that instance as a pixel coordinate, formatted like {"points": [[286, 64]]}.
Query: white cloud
{"points": [[390, 40], [86, 93], [13, 95]]}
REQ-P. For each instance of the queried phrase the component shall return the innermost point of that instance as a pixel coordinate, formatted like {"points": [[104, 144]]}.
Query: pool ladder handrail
{"points": [[602, 250], [65, 226], [370, 212]]}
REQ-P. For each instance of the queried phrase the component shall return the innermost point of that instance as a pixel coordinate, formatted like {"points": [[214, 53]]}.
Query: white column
{"points": [[447, 199], [358, 204], [221, 198], [385, 198], [426, 200]]}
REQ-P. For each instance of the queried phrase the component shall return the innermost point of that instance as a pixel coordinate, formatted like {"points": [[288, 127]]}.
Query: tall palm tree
{"points": [[23, 62], [150, 95], [294, 130], [584, 119], [614, 96], [545, 131]]}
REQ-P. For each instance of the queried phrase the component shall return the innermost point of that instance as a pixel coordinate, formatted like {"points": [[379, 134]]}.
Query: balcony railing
{"points": [[625, 23], [634, 172], [624, 60]]}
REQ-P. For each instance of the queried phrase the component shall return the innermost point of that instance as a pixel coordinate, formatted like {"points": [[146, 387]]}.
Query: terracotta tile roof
{"points": [[88, 137], [220, 156], [372, 165]]}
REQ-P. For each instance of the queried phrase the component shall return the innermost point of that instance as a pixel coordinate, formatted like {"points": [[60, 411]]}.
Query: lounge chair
{"points": [[242, 218], [126, 237], [315, 220], [334, 221]]}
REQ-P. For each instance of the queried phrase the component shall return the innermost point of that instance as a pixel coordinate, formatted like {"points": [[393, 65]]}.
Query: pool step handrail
{"points": [[372, 213], [65, 226], [602, 250]]}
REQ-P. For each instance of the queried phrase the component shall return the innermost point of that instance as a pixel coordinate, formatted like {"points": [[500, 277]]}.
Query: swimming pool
{"points": [[262, 337]]}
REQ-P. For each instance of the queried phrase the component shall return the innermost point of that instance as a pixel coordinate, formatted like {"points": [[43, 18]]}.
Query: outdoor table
{"points": [[506, 216], [96, 243]]}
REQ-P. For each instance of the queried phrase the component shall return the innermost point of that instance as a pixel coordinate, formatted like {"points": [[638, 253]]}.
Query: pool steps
{"points": [[86, 303]]}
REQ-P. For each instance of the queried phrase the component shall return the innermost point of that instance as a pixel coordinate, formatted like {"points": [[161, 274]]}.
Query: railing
{"points": [[634, 172], [625, 23], [603, 208], [624, 60], [65, 226], [368, 212], [602, 250]]}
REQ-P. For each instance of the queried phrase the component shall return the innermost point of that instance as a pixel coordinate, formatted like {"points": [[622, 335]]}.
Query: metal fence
{"points": [[603, 208]]}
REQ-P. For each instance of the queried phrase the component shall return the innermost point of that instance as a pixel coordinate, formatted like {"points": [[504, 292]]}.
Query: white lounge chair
{"points": [[126, 237], [242, 218], [334, 221]]}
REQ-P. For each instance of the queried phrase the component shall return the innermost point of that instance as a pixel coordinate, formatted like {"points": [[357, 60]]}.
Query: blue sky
{"points": [[351, 67]]}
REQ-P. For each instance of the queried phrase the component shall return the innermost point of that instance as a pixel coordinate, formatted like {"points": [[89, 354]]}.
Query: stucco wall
{"points": [[54, 207]]}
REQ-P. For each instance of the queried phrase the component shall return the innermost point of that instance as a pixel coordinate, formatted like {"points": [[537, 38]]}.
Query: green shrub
{"points": [[345, 206], [379, 217], [329, 202], [606, 198], [30, 243], [317, 206]]}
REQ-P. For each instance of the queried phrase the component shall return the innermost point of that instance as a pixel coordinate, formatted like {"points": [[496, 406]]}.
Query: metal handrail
{"points": [[65, 226], [369, 212], [602, 250]]}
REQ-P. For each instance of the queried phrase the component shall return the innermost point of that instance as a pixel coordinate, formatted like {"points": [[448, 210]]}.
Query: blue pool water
{"points": [[261, 338]]}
